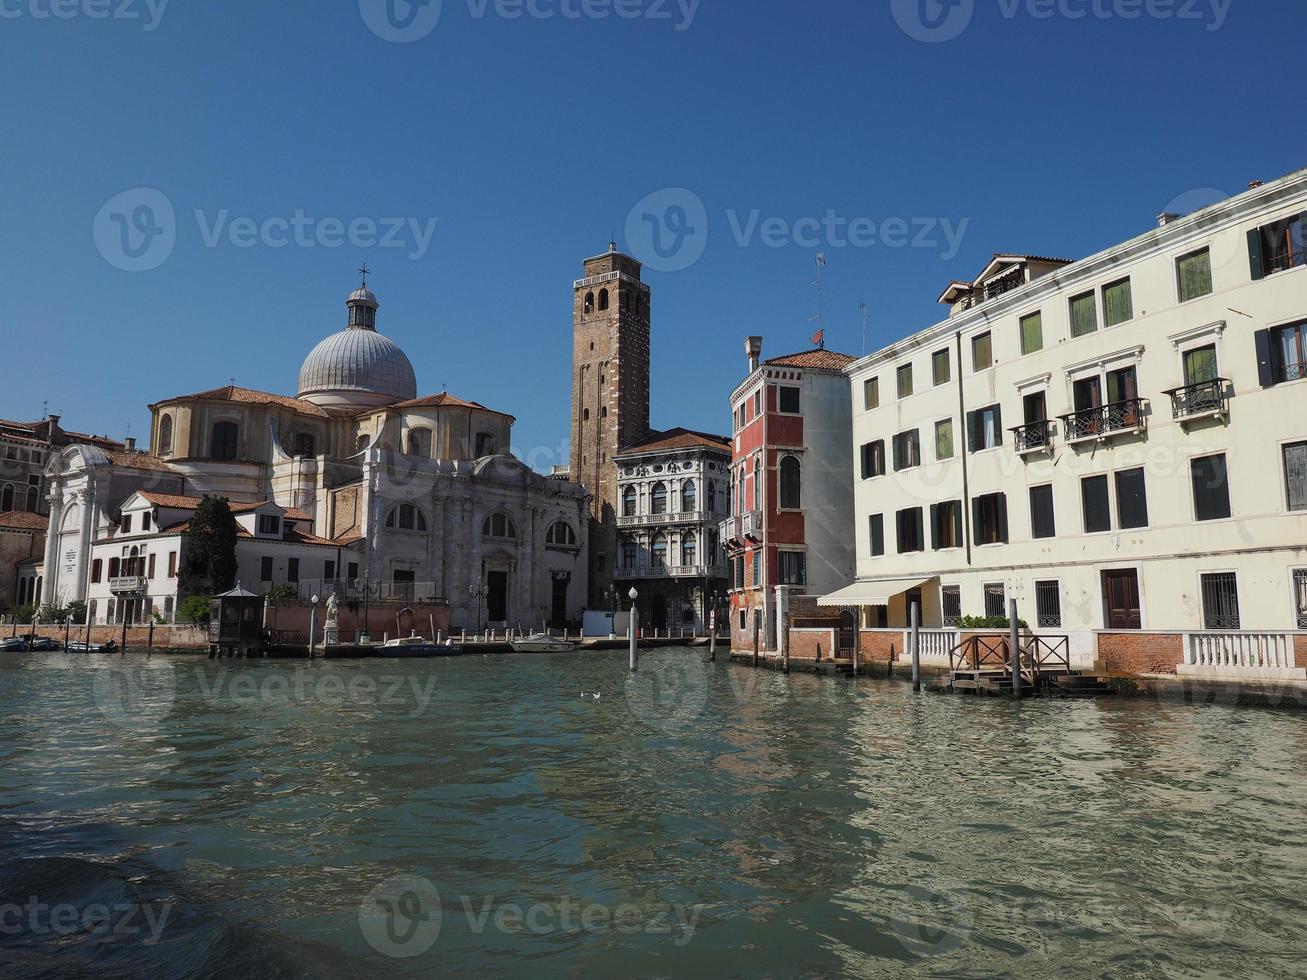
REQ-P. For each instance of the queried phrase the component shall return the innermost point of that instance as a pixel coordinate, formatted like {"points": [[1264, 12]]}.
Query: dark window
{"points": [[793, 568], [265, 569], [494, 526], [1048, 604], [1220, 601], [876, 529], [1121, 386], [995, 600], [1277, 246], [1121, 599], [150, 565], [269, 524], [907, 450], [165, 434], [353, 570], [939, 366], [791, 484], [125, 525], [788, 400], [303, 444], [946, 524], [989, 516], [871, 394], [1194, 274], [1131, 499], [97, 569], [328, 570], [658, 499], [1043, 524], [1200, 365], [982, 352], [1097, 511], [951, 601], [292, 570], [485, 445], [873, 459], [1295, 475], [172, 564], [226, 435], [1300, 596], [1282, 354], [1211, 488], [985, 428], [911, 536]]}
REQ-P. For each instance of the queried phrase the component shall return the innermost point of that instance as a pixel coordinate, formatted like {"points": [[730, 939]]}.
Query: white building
{"points": [[1119, 443], [673, 491], [422, 491]]}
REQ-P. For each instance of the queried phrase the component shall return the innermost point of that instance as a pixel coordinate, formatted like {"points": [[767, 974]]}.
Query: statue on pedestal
{"points": [[329, 631]]}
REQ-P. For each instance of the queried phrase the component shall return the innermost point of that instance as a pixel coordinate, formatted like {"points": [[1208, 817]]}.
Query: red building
{"points": [[791, 485]]}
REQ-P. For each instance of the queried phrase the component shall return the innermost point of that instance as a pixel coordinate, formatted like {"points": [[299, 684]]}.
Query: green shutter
{"points": [[1084, 315], [1117, 306], [1255, 253], [1195, 274], [1032, 333]]}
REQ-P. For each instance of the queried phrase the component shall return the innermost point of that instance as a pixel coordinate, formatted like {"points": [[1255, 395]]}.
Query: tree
{"points": [[194, 609], [210, 565]]}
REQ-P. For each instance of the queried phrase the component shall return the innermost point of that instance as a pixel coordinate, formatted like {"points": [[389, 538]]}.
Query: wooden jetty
{"points": [[982, 664]]}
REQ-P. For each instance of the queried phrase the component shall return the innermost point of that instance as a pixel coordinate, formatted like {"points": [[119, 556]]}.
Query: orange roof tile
{"points": [[442, 400], [138, 461], [24, 520], [233, 393], [677, 438], [819, 358]]}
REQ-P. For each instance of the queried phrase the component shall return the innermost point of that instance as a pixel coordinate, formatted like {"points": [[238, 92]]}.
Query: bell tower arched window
{"points": [[165, 435], [603, 300], [589, 302]]}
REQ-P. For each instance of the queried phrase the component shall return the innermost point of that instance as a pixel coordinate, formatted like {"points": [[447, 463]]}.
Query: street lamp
{"points": [[632, 629], [313, 627], [476, 591]]}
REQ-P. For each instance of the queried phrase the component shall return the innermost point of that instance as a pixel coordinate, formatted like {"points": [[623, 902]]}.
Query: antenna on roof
{"points": [[819, 338], [866, 316], [45, 410]]}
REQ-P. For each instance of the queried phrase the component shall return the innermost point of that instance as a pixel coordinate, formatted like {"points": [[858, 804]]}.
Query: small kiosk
{"points": [[236, 624]]}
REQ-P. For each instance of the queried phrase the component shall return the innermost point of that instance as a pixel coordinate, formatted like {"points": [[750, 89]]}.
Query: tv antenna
{"points": [[865, 313], [819, 338]]}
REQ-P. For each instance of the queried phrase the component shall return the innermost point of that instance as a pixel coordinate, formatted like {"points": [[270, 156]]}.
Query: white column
{"points": [[52, 540]]}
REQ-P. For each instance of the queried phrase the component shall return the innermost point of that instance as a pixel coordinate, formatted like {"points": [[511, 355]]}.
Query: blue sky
{"points": [[530, 139]]}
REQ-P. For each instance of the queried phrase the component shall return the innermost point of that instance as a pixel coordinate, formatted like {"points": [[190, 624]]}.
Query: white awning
{"points": [[873, 593]]}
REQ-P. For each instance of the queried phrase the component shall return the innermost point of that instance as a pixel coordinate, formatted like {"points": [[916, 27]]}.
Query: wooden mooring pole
{"points": [[916, 647], [1015, 652]]}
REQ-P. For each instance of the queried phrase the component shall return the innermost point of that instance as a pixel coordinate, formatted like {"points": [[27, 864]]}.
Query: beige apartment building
{"points": [[1119, 443]]}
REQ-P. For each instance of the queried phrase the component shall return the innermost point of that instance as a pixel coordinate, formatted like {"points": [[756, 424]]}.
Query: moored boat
{"points": [[416, 646], [542, 643]]}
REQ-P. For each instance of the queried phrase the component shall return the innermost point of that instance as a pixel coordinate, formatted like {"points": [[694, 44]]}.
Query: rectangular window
{"points": [[1084, 315], [939, 366], [1278, 246], [1193, 274], [1200, 365], [293, 570], [145, 521], [353, 570], [911, 536], [951, 601], [150, 567], [788, 400], [328, 570], [125, 525], [1220, 601], [1032, 333], [985, 428], [989, 517], [1048, 604], [1093, 494], [1131, 499], [982, 352], [905, 380], [1042, 521], [944, 439], [871, 394], [1300, 596], [97, 569], [265, 569], [876, 532], [172, 564], [946, 524], [1118, 307], [757, 567], [1295, 475], [907, 450], [1282, 354], [757, 403], [269, 524], [793, 568], [1211, 487], [873, 459], [995, 600]]}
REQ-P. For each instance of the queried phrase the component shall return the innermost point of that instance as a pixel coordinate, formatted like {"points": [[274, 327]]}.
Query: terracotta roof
{"points": [[826, 360], [233, 393], [236, 506], [295, 514], [677, 438], [24, 520], [138, 461], [302, 537], [345, 540], [442, 400], [185, 526]]}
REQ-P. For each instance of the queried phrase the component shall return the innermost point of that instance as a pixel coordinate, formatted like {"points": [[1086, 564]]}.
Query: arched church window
{"points": [[603, 299], [485, 445], [658, 499], [628, 502], [165, 434], [419, 443], [561, 533], [585, 415], [498, 526], [589, 302], [406, 517], [226, 436], [689, 496]]}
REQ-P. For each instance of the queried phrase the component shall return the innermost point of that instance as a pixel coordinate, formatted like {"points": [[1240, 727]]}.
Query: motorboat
{"points": [[416, 646], [13, 644], [42, 644], [80, 646], [542, 643]]}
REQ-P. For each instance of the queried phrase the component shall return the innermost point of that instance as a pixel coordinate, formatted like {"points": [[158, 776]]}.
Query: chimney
{"points": [[130, 443], [753, 347], [1166, 217], [1254, 184]]}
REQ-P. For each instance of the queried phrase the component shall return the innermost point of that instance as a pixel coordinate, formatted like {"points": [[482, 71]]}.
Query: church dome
{"points": [[358, 366]]}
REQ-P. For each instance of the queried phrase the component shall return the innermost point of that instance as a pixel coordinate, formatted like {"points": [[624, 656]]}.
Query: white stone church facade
{"points": [[409, 496]]}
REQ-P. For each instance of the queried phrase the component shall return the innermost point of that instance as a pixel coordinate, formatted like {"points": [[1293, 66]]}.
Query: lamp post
{"points": [[631, 629], [366, 635], [476, 591], [313, 627]]}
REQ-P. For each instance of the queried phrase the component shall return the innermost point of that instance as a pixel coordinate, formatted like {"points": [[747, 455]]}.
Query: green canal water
{"points": [[488, 816]]}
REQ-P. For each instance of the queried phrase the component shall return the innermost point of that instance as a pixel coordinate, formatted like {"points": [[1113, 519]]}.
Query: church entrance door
{"points": [[558, 611], [497, 596]]}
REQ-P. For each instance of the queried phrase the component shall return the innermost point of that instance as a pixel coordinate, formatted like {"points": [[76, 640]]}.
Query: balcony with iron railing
{"points": [[1103, 421], [669, 517], [127, 584], [652, 570], [1283, 259], [1033, 437], [1206, 399], [981, 294]]}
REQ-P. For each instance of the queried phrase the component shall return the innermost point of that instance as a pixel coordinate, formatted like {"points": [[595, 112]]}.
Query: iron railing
{"points": [[1031, 436], [1220, 601], [989, 291], [1048, 605], [1300, 591], [1092, 423], [1285, 258], [1202, 398]]}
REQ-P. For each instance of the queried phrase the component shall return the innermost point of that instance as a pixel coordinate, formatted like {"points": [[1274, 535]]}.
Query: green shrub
{"points": [[281, 592], [194, 609], [987, 623]]}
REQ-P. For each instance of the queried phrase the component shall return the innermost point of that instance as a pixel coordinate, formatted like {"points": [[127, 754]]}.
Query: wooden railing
{"points": [[980, 652]]}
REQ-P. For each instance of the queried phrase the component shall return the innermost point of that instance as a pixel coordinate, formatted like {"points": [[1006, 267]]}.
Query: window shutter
{"points": [[1255, 253], [957, 524], [998, 425], [971, 432], [921, 530], [1265, 363], [1002, 517], [898, 453], [934, 526], [976, 522]]}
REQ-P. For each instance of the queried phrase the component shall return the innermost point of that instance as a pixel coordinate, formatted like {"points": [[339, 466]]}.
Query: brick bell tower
{"points": [[610, 393]]}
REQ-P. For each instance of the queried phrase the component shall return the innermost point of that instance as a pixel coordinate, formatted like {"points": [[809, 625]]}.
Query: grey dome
{"points": [[363, 295], [357, 366]]}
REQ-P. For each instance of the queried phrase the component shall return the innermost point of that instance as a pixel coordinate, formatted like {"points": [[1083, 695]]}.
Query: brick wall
{"points": [[138, 637], [880, 646], [1140, 653], [1300, 650], [815, 644]]}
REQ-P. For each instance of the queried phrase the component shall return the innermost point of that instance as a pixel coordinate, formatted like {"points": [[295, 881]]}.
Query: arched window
{"points": [[362, 442], [757, 486], [628, 502], [585, 415], [740, 506], [710, 498], [406, 517], [659, 550], [658, 499], [689, 497], [791, 484], [603, 299], [226, 436], [630, 553], [561, 533], [485, 445], [7, 498], [419, 443], [498, 526], [689, 550], [589, 302], [303, 444], [165, 435]]}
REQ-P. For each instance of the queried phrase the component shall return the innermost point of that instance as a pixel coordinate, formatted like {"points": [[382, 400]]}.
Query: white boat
{"points": [[417, 646], [541, 643]]}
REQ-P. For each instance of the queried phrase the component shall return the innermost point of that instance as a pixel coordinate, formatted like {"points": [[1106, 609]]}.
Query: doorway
{"points": [[658, 613], [848, 633], [1121, 599], [558, 608], [497, 596]]}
